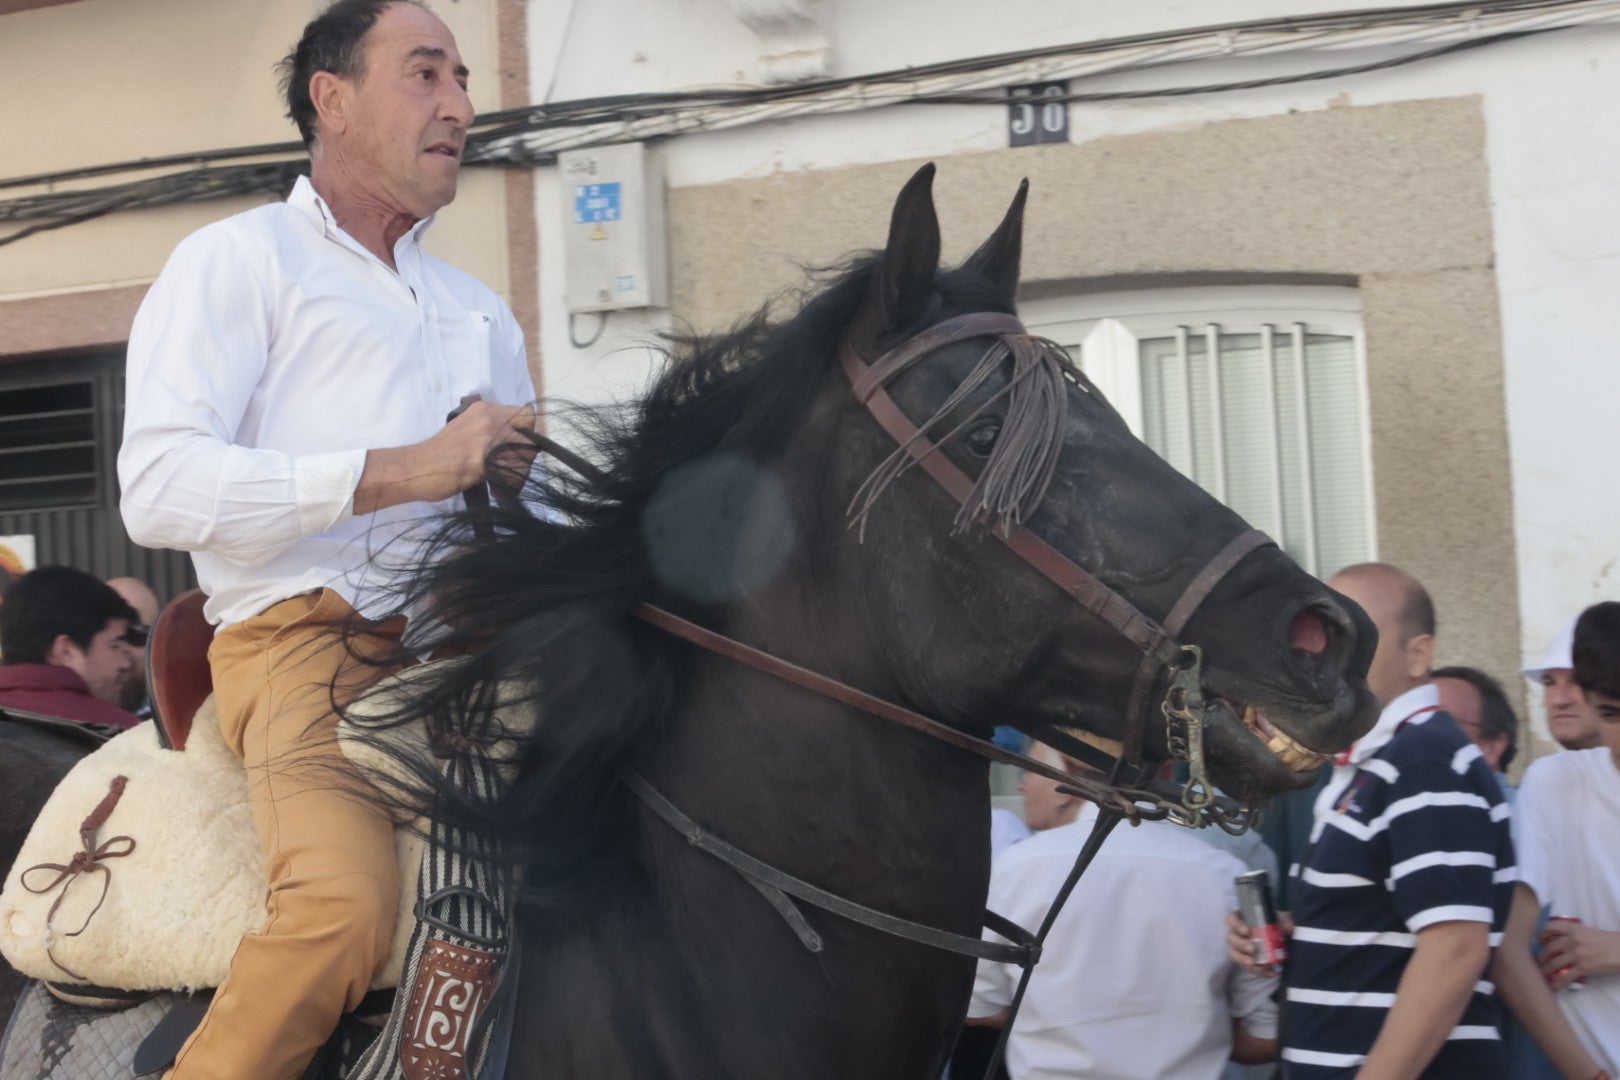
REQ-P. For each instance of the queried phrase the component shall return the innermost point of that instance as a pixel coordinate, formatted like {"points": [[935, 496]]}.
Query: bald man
{"points": [[132, 693], [1407, 875], [138, 595]]}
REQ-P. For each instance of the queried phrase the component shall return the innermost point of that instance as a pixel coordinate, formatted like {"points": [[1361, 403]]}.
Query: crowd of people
{"points": [[1440, 922]]}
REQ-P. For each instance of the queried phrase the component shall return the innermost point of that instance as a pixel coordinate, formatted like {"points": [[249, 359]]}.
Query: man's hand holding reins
{"points": [[450, 462]]}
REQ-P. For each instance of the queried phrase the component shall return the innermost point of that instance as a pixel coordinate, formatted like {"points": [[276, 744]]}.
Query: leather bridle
{"points": [[1128, 795], [1162, 652]]}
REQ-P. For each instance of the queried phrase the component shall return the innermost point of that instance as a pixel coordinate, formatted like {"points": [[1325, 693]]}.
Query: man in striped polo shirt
{"points": [[1403, 890]]}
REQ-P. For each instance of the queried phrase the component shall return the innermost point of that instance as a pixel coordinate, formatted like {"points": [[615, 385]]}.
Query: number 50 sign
{"points": [[1037, 113]]}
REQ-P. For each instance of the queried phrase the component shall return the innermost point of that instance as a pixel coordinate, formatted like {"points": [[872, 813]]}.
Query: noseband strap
{"points": [[1191, 598], [1161, 650]]}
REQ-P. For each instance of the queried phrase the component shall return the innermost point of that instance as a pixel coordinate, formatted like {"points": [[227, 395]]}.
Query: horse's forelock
{"points": [[1024, 458]]}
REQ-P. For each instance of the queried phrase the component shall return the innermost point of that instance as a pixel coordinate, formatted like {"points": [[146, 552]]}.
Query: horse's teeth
{"points": [[1288, 751], [1292, 754]]}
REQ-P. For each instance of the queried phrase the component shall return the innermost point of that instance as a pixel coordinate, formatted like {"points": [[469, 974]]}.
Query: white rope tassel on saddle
{"points": [[440, 1028]]}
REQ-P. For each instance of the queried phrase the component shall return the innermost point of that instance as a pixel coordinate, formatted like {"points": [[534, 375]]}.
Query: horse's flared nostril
{"points": [[1308, 633], [1322, 636]]}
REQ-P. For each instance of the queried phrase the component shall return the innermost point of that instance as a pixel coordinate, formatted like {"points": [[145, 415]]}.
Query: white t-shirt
{"points": [[1567, 833], [1134, 979]]}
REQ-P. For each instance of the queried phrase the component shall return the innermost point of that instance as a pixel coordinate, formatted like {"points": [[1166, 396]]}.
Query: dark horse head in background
{"points": [[726, 495]]}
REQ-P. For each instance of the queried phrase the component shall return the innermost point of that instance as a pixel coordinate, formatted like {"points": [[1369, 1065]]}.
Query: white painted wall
{"points": [[1553, 161]]}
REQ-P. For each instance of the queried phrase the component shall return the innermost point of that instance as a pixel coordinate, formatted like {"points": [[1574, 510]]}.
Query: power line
{"points": [[533, 135]]}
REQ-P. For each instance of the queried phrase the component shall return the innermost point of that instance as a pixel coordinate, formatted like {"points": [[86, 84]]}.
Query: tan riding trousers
{"points": [[328, 854]]}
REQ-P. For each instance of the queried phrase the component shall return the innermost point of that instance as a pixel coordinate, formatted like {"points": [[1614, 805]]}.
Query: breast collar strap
{"points": [[1161, 650]]}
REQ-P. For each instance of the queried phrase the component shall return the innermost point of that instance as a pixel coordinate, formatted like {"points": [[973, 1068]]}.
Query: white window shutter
{"points": [[1259, 400]]}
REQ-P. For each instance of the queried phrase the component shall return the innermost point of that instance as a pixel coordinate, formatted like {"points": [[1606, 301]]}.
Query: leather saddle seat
{"points": [[177, 674]]}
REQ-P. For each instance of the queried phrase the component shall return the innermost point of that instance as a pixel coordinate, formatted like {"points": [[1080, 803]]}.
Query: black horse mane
{"points": [[542, 608]]}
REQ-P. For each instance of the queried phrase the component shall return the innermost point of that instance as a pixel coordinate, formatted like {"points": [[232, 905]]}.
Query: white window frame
{"points": [[1107, 327]]}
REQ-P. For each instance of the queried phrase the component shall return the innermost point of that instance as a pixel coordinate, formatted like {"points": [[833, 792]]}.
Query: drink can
{"points": [[1578, 983], [1265, 932]]}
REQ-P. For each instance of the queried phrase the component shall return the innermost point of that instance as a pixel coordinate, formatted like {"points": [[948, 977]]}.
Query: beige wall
{"points": [[1391, 197], [102, 81]]}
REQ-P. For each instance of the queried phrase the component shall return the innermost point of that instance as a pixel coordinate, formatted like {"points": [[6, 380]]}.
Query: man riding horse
{"points": [[289, 375]]}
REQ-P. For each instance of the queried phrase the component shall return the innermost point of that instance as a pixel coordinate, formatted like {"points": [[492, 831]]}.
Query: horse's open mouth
{"points": [[1285, 747]]}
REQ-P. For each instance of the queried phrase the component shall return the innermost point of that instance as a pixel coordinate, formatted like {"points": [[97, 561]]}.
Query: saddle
{"points": [[177, 674], [161, 906]]}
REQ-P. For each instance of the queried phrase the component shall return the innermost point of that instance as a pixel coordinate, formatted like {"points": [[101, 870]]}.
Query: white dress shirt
{"points": [[1134, 979], [269, 356]]}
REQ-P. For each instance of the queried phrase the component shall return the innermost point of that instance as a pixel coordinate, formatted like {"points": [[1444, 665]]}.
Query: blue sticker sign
{"points": [[596, 202]]}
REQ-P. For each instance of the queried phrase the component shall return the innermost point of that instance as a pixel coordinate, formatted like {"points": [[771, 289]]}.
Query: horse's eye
{"points": [[982, 439]]}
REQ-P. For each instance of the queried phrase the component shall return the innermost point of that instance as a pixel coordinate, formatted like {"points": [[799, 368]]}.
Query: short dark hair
{"points": [[1417, 613], [1496, 715], [1597, 649], [43, 604], [331, 42]]}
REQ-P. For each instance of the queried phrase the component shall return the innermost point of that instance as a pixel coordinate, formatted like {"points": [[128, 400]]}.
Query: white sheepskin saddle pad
{"points": [[177, 905]]}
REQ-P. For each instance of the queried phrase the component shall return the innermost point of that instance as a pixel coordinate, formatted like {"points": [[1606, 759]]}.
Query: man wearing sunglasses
{"points": [[139, 595], [64, 647]]}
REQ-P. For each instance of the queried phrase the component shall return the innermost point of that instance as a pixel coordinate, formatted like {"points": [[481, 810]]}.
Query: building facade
{"points": [[1350, 269], [1350, 272]]}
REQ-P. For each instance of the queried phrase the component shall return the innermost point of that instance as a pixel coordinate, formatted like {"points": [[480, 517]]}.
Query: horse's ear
{"points": [[998, 257], [905, 273]]}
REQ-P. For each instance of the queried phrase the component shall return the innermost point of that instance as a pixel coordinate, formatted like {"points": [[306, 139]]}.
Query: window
{"points": [[48, 446], [60, 419], [1256, 393]]}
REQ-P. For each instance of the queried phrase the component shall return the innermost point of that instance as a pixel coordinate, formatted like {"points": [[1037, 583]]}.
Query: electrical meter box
{"points": [[615, 252]]}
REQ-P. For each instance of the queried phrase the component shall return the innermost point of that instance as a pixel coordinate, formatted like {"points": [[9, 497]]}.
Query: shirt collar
{"points": [[307, 201], [1396, 713]]}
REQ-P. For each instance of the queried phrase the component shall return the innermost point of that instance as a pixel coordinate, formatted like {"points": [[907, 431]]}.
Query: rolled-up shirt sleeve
{"points": [[197, 350], [1253, 1002]]}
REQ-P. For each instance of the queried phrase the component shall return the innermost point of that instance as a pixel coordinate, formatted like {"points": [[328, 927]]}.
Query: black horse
{"points": [[726, 495], [35, 753]]}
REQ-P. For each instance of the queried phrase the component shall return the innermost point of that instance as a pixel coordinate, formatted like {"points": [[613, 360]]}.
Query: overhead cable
{"points": [[534, 135]]}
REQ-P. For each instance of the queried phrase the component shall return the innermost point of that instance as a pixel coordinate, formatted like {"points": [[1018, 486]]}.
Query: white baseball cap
{"points": [[1560, 654]]}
